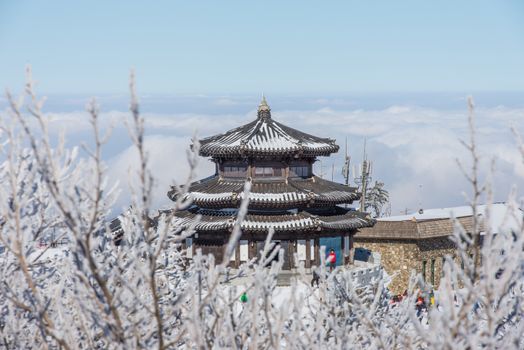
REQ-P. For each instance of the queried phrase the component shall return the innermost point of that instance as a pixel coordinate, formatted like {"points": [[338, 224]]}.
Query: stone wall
{"points": [[398, 257], [433, 251], [401, 257]]}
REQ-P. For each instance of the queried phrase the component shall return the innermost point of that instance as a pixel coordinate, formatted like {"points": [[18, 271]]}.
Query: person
{"points": [[394, 301], [420, 306], [332, 259], [315, 279], [243, 297], [431, 298]]}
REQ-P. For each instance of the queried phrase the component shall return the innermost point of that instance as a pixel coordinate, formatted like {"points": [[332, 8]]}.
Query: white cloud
{"points": [[414, 149], [225, 102], [167, 160]]}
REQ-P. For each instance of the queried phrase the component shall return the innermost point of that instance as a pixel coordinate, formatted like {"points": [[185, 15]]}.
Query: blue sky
{"points": [[395, 73], [279, 47]]}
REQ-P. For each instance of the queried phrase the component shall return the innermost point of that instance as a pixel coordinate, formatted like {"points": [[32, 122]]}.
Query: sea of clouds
{"points": [[412, 140]]}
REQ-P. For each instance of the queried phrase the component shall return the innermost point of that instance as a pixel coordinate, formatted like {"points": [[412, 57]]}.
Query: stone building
{"points": [[304, 210], [408, 243]]}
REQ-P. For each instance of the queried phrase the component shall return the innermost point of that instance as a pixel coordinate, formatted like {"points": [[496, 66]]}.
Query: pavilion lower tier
{"points": [[297, 249], [301, 232], [330, 219]]}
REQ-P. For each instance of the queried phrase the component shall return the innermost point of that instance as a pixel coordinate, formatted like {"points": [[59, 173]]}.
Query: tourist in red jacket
{"points": [[332, 259]]}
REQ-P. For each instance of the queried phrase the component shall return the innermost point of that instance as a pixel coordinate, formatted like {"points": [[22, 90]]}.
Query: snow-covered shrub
{"points": [[144, 293]]}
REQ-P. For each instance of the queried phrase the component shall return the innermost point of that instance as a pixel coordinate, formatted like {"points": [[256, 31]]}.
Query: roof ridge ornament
{"points": [[264, 112]]}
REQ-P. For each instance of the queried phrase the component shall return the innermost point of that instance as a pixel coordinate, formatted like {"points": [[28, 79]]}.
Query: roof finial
{"points": [[263, 108]]}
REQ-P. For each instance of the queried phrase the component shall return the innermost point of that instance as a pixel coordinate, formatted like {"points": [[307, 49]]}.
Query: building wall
{"points": [[398, 257], [433, 251]]}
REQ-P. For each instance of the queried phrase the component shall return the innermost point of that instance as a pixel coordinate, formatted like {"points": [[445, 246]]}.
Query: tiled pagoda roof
{"points": [[266, 137], [224, 220], [216, 192]]}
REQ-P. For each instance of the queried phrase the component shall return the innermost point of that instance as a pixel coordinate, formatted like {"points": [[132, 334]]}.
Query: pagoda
{"points": [[303, 209]]}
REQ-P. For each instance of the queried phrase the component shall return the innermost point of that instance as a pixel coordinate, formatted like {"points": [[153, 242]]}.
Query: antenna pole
{"points": [[364, 185], [366, 167], [347, 161]]}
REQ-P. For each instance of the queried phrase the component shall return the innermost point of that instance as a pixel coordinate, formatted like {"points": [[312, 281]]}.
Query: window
{"points": [[267, 171], [235, 170], [299, 171], [424, 263], [433, 272]]}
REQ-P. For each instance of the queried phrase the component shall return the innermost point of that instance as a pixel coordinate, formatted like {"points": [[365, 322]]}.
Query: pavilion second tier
{"points": [[216, 192], [316, 222]]}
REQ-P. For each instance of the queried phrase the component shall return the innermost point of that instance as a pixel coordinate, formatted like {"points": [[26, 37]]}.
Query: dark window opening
{"points": [[267, 171], [433, 271], [299, 171], [424, 264], [235, 170]]}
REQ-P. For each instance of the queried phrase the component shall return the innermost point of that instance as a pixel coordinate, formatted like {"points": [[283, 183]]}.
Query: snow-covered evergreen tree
{"points": [[377, 199]]}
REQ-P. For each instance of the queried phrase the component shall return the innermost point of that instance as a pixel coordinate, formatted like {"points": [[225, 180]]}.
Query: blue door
{"points": [[333, 243]]}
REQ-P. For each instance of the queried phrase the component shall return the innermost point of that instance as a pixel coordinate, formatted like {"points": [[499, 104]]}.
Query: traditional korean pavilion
{"points": [[285, 195]]}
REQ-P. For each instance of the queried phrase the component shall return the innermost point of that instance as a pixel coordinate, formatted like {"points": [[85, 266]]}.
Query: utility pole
{"points": [[345, 168], [364, 185], [365, 178], [321, 170]]}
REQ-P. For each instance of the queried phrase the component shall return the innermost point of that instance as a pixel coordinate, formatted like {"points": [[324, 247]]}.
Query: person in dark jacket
{"points": [[420, 306], [315, 279]]}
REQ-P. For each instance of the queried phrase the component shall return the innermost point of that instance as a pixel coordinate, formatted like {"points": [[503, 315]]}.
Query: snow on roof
{"points": [[502, 217], [264, 136], [216, 191]]}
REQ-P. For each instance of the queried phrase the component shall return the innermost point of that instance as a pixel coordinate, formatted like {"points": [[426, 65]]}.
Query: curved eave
{"points": [[215, 192], [283, 201], [254, 223], [242, 152]]}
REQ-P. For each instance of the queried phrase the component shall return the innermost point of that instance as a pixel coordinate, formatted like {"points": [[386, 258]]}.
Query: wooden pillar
{"points": [[237, 255], [351, 250], [308, 253], [289, 253], [252, 249], [343, 250], [249, 249], [317, 252]]}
